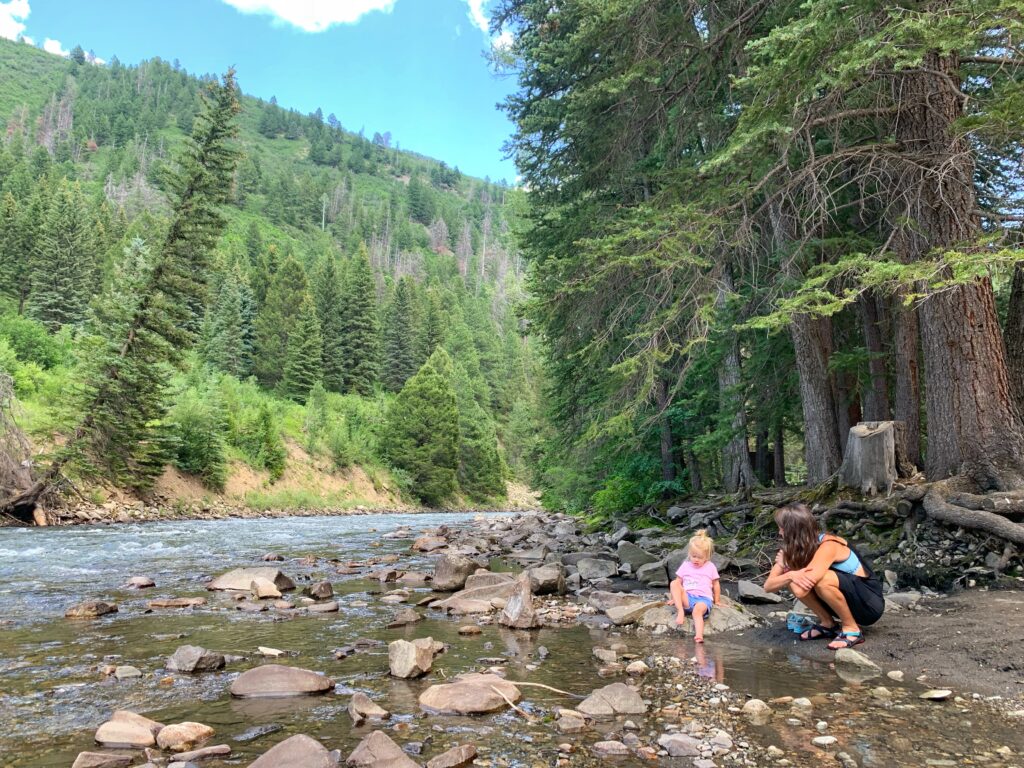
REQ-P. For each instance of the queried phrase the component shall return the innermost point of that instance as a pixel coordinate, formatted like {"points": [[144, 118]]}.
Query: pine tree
{"points": [[432, 330], [361, 332], [329, 308], [399, 339], [10, 246], [277, 319], [480, 469], [253, 243], [225, 346], [304, 363], [421, 436]]}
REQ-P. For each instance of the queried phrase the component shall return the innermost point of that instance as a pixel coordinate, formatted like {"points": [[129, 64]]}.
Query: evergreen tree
{"points": [[254, 243], [480, 470], [225, 344], [330, 307], [433, 328], [10, 246], [399, 339], [304, 363], [276, 320], [421, 435], [361, 332]]}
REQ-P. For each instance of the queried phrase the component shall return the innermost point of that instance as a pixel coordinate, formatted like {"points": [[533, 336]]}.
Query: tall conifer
{"points": [[304, 364], [329, 308], [399, 339], [277, 319], [361, 328]]}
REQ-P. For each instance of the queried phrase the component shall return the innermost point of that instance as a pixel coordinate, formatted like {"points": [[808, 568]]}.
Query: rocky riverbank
{"points": [[541, 573]]}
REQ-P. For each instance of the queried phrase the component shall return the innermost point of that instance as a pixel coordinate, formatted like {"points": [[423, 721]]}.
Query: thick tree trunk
{"points": [[737, 471], [974, 426], [779, 464], [668, 464], [876, 398], [812, 337], [693, 469], [906, 378], [1013, 337]]}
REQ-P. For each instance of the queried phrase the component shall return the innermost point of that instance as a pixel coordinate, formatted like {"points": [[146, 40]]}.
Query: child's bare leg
{"points": [[679, 600], [698, 622]]}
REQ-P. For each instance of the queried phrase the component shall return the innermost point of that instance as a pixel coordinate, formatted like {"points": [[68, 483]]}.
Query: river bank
{"points": [[594, 626]]}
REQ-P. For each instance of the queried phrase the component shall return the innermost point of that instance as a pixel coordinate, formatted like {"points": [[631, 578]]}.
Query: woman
{"points": [[828, 576]]}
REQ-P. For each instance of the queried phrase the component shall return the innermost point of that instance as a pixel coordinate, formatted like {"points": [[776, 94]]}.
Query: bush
{"points": [[340, 447], [269, 447], [199, 426], [30, 341]]}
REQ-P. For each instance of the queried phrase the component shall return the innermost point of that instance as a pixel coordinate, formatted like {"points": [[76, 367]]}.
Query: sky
{"points": [[415, 68]]}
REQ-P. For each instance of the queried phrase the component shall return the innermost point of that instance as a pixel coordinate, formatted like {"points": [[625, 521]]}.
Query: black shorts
{"points": [[863, 596]]}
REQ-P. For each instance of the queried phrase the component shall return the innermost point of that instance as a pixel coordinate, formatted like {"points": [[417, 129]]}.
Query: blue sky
{"points": [[412, 67]]}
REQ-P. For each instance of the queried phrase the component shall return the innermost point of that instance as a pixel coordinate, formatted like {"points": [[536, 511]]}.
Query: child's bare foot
{"points": [[698, 639], [681, 618]]}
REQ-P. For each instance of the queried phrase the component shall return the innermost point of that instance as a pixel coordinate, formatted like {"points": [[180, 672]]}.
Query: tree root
{"points": [[938, 504]]}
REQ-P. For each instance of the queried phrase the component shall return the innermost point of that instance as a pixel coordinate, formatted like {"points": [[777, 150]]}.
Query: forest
{"points": [[194, 277], [755, 224]]}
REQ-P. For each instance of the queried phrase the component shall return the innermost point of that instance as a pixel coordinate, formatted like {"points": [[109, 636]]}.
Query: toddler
{"points": [[696, 587]]}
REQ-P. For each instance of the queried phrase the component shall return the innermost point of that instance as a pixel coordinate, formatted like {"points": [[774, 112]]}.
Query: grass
{"points": [[301, 499], [31, 76]]}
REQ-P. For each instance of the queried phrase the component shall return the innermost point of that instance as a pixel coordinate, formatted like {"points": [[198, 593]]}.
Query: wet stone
{"points": [[299, 751]]}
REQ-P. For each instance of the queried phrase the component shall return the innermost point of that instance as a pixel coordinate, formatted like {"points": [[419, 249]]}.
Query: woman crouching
{"points": [[828, 576]]}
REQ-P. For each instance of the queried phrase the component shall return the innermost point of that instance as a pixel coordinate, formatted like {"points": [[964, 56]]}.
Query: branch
{"points": [[997, 60]]}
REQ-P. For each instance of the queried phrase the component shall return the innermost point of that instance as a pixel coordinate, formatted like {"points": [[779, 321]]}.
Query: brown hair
{"points": [[702, 543], [799, 534]]}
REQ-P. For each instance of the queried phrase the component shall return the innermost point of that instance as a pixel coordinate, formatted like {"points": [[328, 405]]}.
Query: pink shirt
{"points": [[696, 580]]}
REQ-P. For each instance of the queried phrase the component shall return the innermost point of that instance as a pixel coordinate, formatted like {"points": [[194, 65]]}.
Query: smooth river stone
{"points": [[127, 730], [469, 694], [101, 760], [296, 752], [272, 680], [182, 737], [378, 751], [90, 609], [241, 579]]}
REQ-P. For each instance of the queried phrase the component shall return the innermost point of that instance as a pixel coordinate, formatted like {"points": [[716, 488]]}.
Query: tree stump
{"points": [[904, 466], [870, 461]]}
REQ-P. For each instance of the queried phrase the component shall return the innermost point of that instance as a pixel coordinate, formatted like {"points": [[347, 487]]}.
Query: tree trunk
{"points": [[876, 399], [1013, 337], [812, 338], [737, 471], [779, 465], [974, 426], [693, 469], [762, 458], [906, 384], [668, 465]]}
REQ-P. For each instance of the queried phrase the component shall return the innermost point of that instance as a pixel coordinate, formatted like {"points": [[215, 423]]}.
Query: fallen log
{"points": [[938, 507]]}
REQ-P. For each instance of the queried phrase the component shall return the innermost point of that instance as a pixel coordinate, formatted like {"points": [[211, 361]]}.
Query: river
{"points": [[52, 695]]}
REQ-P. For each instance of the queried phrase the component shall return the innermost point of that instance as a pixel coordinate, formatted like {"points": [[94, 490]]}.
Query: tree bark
{"points": [[762, 458], [1013, 337], [812, 338], [668, 464], [974, 426], [906, 378], [737, 471], [693, 469], [876, 399], [779, 465]]}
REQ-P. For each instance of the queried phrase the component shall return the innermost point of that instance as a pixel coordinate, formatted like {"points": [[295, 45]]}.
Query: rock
{"points": [[272, 653], [192, 658], [653, 574], [630, 614], [404, 617], [127, 730], [536, 554], [519, 612], [181, 737], [679, 745], [602, 601], [855, 667], [177, 602], [429, 543], [470, 629], [727, 617], [469, 694], [482, 578], [261, 588], [331, 606], [476, 599], [273, 680], [241, 579], [91, 609], [606, 655], [140, 582], [361, 707], [456, 757], [824, 742], [757, 711], [936, 694], [272, 557], [637, 668], [378, 751], [394, 598], [322, 590], [635, 556], [451, 572], [547, 579], [802, 705], [296, 752], [620, 534], [206, 752], [895, 675], [591, 569], [749, 592], [410, 659], [614, 699], [124, 672], [101, 760], [610, 748], [903, 599]]}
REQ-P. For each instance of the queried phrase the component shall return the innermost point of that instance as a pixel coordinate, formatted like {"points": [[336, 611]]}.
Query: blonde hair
{"points": [[702, 543]]}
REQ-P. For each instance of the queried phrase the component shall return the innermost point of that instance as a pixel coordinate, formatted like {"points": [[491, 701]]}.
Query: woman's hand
{"points": [[804, 579]]}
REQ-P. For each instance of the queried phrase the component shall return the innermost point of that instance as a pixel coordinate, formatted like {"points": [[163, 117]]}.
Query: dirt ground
{"points": [[969, 642]]}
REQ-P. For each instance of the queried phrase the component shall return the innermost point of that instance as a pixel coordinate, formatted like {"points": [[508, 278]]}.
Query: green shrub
{"points": [[30, 341], [269, 447], [199, 427], [339, 446]]}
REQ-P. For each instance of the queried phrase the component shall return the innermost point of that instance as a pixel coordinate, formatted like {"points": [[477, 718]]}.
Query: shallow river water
{"points": [[52, 696]]}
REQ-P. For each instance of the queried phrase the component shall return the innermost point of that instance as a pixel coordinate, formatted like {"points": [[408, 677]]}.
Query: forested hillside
{"points": [[353, 293], [757, 223]]}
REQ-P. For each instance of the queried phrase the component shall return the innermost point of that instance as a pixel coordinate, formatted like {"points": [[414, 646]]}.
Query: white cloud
{"points": [[477, 15], [12, 18], [313, 15], [53, 46]]}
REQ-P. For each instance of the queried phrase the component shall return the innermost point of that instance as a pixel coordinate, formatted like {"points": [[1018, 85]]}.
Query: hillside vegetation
{"points": [[352, 290]]}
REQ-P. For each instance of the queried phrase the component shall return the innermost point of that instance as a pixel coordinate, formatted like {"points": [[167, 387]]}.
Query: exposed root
{"points": [[938, 504]]}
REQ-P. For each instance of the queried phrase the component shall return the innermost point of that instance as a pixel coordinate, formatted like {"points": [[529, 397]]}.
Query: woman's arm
{"points": [[829, 551], [779, 576], [716, 590]]}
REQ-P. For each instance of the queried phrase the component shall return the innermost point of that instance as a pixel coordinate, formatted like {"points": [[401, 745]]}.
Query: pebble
{"points": [[824, 741], [936, 694], [895, 675], [822, 726]]}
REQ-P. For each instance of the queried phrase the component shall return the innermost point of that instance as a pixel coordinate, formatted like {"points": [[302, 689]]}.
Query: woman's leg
{"points": [[828, 591], [698, 622], [679, 600], [812, 601]]}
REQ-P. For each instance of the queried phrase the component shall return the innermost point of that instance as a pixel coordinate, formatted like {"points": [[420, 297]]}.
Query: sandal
{"points": [[829, 632], [846, 640]]}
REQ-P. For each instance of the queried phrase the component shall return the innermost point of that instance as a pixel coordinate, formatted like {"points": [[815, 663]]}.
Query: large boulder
{"points": [[296, 752], [91, 609], [411, 659], [519, 612], [470, 694], [102, 760], [378, 751], [127, 730], [481, 578], [633, 555], [451, 572], [592, 569], [182, 737], [276, 680], [614, 699], [241, 579], [263, 589], [727, 617], [653, 574], [429, 543], [192, 658], [547, 579], [621, 615]]}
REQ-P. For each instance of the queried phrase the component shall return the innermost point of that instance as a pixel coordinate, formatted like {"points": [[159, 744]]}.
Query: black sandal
{"points": [[830, 632], [848, 640]]}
